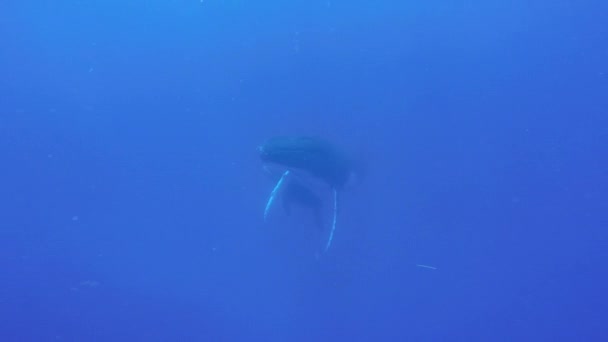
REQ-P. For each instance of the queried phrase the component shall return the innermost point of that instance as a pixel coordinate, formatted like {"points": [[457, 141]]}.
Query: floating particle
{"points": [[426, 266]]}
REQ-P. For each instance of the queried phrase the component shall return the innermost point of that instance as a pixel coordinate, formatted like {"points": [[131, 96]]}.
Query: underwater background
{"points": [[132, 194]]}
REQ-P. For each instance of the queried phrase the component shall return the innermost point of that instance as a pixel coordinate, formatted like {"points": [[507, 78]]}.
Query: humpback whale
{"points": [[314, 156]]}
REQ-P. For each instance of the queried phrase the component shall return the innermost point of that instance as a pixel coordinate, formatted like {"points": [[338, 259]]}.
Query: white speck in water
{"points": [[426, 266], [89, 283]]}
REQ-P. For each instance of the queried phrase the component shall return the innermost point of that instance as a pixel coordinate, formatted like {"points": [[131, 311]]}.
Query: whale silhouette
{"points": [[314, 156]]}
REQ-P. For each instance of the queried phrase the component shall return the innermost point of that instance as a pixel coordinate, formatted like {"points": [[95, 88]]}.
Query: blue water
{"points": [[132, 196]]}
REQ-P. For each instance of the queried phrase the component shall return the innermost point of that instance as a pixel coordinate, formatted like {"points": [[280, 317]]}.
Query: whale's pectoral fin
{"points": [[333, 222], [275, 191]]}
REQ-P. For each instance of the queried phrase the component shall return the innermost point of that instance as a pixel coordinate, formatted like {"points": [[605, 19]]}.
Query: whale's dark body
{"points": [[313, 155], [296, 193], [319, 159]]}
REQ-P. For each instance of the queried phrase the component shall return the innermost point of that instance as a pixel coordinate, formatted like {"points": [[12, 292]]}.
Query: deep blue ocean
{"points": [[132, 192]]}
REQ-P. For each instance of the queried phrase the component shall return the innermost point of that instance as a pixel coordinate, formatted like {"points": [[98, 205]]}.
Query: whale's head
{"points": [[287, 151], [312, 155]]}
